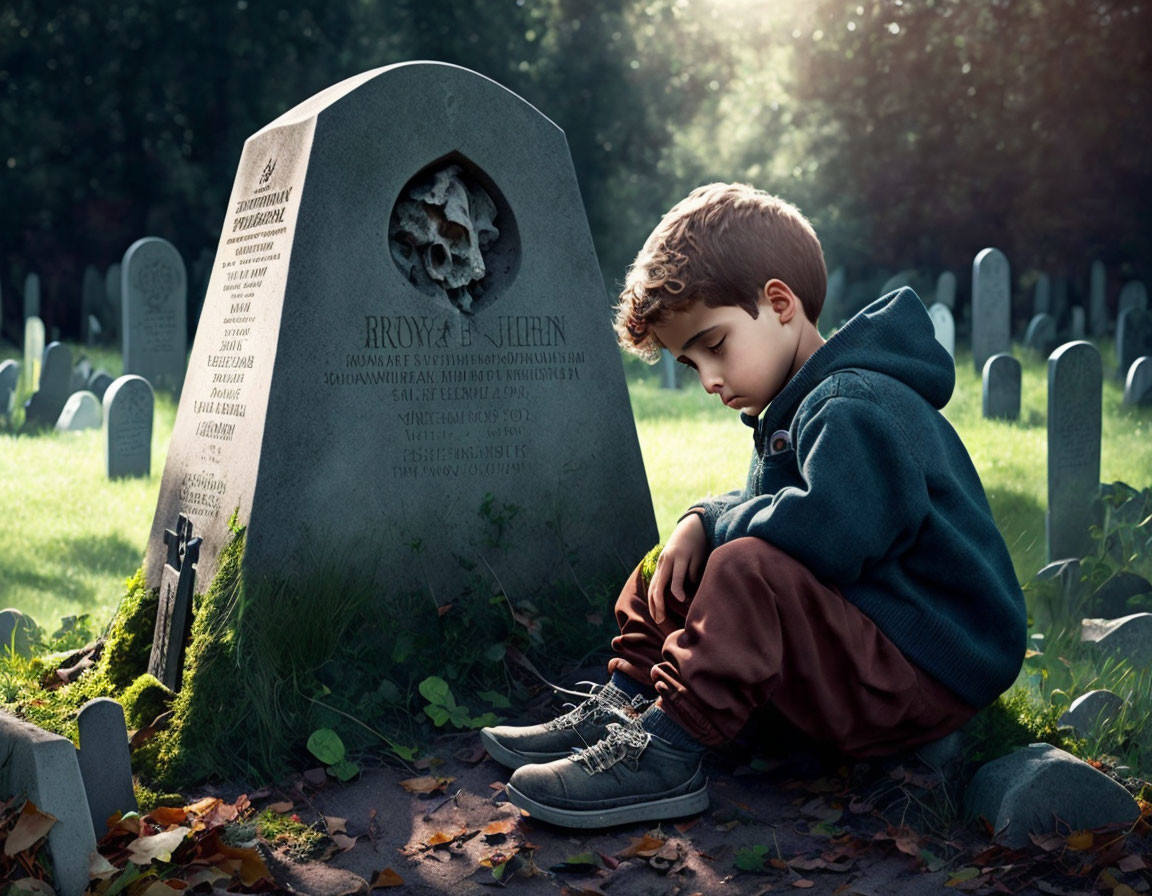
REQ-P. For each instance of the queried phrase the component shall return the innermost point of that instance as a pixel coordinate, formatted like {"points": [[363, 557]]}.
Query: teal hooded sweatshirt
{"points": [[873, 491]]}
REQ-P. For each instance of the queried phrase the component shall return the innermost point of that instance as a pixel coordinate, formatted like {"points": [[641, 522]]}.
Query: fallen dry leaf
{"points": [[156, 847], [1132, 863], [803, 884], [336, 825], [166, 816], [646, 847], [427, 784], [386, 878], [439, 839], [344, 842], [99, 868], [1081, 840], [31, 826], [164, 888], [281, 807]]}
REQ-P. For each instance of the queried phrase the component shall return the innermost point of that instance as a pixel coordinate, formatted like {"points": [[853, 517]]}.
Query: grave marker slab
{"points": [[1042, 295], [9, 382], [944, 326], [33, 352], [174, 613], [1075, 388], [1098, 299], [991, 306], [48, 401], [1077, 326], [81, 411], [1133, 338], [128, 410], [436, 372], [946, 290], [1040, 336], [1137, 386], [1133, 295], [17, 632], [105, 764], [1128, 638], [154, 296], [31, 296], [1001, 388]]}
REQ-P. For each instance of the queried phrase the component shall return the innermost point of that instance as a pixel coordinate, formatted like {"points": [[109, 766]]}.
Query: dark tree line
{"points": [[914, 133]]}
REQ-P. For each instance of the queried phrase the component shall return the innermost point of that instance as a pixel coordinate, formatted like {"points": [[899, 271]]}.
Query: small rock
{"points": [[1090, 710], [1027, 791], [18, 632], [1129, 637]]}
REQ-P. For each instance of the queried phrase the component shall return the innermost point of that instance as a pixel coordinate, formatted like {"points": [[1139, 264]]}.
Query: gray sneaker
{"points": [[515, 746], [628, 776]]}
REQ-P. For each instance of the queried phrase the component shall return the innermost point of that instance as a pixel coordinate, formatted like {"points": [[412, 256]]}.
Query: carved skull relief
{"points": [[441, 229]]}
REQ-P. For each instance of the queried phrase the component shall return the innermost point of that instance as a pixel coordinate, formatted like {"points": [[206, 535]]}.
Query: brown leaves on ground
{"points": [[23, 828], [426, 785]]}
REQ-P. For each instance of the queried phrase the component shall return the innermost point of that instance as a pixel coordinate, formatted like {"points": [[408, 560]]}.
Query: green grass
{"points": [[70, 536]]}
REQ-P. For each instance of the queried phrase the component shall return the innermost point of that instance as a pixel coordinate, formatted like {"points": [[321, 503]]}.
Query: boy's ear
{"points": [[779, 296]]}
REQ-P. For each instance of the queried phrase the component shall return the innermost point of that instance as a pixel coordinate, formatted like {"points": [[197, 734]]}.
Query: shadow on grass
{"points": [[104, 553], [100, 554], [1020, 519]]}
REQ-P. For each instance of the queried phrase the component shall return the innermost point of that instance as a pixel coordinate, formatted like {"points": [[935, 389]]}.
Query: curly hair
{"points": [[719, 245]]}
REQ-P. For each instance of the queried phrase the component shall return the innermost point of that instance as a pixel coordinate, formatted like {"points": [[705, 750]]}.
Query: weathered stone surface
{"points": [[1075, 390], [1001, 388], [105, 763], [47, 402], [1138, 383], [991, 306], [81, 411], [1027, 791], [43, 767], [944, 326], [9, 381], [1129, 637], [154, 298], [416, 409], [946, 290], [128, 411], [1088, 711], [1040, 336], [17, 631]]}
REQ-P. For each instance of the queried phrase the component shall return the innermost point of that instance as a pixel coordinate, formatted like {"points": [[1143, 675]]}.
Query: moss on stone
{"points": [[648, 564], [129, 640], [144, 700]]}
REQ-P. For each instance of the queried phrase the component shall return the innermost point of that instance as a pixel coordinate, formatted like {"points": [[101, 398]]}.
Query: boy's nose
{"points": [[712, 382]]}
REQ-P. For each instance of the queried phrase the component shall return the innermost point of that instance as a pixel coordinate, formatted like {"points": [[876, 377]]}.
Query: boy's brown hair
{"points": [[719, 245]]}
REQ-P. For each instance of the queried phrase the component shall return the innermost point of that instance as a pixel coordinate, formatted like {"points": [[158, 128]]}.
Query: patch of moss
{"points": [[648, 564], [302, 841], [148, 799], [129, 640], [144, 700], [1015, 721]]}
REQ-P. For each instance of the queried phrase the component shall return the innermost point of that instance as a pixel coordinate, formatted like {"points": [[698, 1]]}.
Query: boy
{"points": [[857, 583]]}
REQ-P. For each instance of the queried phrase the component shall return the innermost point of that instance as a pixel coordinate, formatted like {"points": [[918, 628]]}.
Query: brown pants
{"points": [[762, 630]]}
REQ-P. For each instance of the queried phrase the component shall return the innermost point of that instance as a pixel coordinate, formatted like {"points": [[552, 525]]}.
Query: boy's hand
{"points": [[679, 564]]}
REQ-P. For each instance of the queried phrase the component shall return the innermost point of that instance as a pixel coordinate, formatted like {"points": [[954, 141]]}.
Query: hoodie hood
{"points": [[893, 336]]}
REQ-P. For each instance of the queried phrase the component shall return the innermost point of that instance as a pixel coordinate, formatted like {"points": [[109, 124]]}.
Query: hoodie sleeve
{"points": [[863, 494], [711, 509]]}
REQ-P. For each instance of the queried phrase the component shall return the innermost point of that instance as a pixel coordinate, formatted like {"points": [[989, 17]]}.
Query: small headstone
{"points": [[1001, 388], [44, 768], [128, 409], [174, 613], [1133, 295], [1075, 389], [105, 763], [1138, 383], [91, 299], [47, 402], [1039, 786], [154, 319], [1133, 338], [9, 382], [33, 352], [1089, 711], [668, 372], [112, 310], [31, 296], [1042, 295], [1128, 638], [944, 326], [17, 632], [1040, 336], [991, 306], [946, 290], [1077, 327], [1098, 299], [81, 411], [99, 382]]}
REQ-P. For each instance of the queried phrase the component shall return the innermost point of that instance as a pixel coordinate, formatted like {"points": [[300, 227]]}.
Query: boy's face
{"points": [[745, 360]]}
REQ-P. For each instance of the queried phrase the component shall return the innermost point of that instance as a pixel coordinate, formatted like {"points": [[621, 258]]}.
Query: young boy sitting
{"points": [[857, 583]]}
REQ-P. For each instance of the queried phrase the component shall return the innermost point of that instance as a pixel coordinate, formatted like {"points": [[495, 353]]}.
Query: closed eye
{"points": [[715, 348]]}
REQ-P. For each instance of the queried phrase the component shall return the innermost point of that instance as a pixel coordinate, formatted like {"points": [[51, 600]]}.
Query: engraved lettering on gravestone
{"points": [[440, 234], [174, 613]]}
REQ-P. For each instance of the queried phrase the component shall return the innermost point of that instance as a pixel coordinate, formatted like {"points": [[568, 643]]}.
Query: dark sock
{"points": [[657, 722], [631, 686]]}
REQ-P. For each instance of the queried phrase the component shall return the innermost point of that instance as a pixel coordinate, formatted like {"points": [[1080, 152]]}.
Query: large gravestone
{"points": [[1098, 299], [943, 326], [1000, 398], [31, 296], [47, 402], [991, 306], [128, 409], [1133, 338], [1075, 389], [1137, 385], [406, 329], [154, 298]]}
